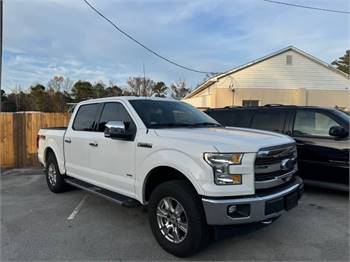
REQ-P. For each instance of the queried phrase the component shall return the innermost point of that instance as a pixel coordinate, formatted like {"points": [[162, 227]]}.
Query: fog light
{"points": [[238, 211], [231, 209]]}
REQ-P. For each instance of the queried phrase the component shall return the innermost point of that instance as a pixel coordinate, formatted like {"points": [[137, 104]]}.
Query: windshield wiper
{"points": [[169, 125], [206, 124]]}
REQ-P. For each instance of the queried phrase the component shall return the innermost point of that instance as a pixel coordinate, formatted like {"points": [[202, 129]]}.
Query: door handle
{"points": [[67, 140], [93, 144]]}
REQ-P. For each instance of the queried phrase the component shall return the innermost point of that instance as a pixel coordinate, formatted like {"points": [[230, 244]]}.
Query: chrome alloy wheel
{"points": [[51, 173], [172, 220]]}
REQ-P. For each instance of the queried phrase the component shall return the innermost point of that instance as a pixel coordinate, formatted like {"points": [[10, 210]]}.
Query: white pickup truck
{"points": [[189, 170]]}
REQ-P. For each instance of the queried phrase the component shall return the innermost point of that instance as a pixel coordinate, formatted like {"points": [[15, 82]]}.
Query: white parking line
{"points": [[77, 208]]}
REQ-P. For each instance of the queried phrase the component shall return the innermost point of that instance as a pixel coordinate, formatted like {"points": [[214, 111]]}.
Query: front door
{"points": [[321, 157], [112, 160]]}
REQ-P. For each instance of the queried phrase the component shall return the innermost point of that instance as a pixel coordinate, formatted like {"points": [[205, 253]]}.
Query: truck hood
{"points": [[227, 139]]}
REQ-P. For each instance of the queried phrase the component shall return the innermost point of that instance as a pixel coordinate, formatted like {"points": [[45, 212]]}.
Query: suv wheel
{"points": [[54, 179], [177, 219]]}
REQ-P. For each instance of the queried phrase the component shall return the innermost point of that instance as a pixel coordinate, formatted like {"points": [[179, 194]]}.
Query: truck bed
{"points": [[54, 128]]}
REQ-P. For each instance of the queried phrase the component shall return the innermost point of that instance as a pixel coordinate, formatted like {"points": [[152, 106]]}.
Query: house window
{"points": [[250, 103], [289, 60]]}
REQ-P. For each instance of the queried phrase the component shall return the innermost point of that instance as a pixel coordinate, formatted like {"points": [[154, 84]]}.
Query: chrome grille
{"points": [[275, 165]]}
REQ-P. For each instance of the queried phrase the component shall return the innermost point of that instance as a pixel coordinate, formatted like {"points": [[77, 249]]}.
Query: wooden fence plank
{"points": [[18, 132]]}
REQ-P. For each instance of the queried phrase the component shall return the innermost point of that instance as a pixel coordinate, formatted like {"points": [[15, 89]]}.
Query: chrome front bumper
{"points": [[256, 208]]}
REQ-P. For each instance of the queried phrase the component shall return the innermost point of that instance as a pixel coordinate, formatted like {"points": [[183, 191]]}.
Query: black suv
{"points": [[321, 135]]}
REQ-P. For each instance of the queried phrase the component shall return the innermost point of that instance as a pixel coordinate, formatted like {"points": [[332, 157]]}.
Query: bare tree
{"points": [[179, 89], [140, 86]]}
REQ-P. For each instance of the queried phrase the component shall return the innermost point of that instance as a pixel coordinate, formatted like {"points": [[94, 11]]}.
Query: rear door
{"points": [[76, 141], [113, 160], [321, 157]]}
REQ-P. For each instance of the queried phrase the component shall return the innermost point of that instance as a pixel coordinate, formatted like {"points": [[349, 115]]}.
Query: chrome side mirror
{"points": [[115, 129]]}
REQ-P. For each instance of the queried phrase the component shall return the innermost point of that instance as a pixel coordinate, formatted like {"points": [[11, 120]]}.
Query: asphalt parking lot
{"points": [[39, 225]]}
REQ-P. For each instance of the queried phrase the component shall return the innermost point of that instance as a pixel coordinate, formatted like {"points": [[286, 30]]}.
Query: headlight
{"points": [[220, 162]]}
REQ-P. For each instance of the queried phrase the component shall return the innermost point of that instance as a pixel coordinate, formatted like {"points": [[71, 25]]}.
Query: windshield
{"points": [[170, 114]]}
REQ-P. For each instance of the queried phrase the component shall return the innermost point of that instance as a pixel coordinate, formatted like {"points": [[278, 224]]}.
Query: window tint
{"points": [[269, 120], [85, 117], [232, 117], [224, 117], [242, 118], [311, 123], [115, 112]]}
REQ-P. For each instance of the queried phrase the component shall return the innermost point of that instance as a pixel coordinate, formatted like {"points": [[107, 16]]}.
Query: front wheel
{"points": [[177, 219]]}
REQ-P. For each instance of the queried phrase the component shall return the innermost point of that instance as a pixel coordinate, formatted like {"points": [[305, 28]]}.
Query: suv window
{"points": [[312, 123], [115, 112], [232, 117], [269, 120], [85, 117]]}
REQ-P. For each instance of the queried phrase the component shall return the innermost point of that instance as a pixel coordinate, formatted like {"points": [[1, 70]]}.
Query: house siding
{"points": [[272, 81]]}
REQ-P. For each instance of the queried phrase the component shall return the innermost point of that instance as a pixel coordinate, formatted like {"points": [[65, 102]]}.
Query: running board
{"points": [[110, 195]]}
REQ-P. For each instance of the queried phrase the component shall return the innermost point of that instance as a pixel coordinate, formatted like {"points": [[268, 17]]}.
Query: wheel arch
{"points": [[47, 151], [162, 174]]}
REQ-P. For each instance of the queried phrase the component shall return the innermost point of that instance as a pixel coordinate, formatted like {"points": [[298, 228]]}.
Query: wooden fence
{"points": [[18, 134]]}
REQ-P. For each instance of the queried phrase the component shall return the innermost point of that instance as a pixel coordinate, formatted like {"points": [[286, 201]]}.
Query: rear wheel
{"points": [[54, 179], [177, 219]]}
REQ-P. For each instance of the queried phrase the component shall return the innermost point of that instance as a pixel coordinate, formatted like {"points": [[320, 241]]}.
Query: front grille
{"points": [[275, 162], [273, 155]]}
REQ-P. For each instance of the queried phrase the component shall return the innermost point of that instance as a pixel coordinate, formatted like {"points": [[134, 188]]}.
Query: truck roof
{"points": [[270, 106], [126, 98]]}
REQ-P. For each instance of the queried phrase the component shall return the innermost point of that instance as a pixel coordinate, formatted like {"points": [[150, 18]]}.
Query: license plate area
{"points": [[291, 200], [283, 203]]}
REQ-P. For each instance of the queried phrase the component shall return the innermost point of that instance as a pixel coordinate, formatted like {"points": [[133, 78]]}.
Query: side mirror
{"points": [[338, 131], [115, 129]]}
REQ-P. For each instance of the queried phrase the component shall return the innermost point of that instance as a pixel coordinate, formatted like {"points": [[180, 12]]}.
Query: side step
{"points": [[110, 195]]}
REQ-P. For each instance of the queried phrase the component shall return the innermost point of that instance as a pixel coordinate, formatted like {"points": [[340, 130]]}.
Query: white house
{"points": [[288, 76]]}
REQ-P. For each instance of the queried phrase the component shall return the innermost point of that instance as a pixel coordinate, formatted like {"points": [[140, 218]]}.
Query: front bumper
{"points": [[259, 207]]}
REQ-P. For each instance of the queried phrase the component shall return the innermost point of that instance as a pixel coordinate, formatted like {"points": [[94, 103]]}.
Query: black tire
{"points": [[54, 179], [197, 230]]}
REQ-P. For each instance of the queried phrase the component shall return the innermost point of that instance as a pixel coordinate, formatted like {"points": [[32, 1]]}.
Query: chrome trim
{"points": [[114, 129], [278, 180]]}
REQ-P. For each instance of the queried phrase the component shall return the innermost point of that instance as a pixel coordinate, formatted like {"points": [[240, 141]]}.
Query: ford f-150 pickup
{"points": [[191, 172]]}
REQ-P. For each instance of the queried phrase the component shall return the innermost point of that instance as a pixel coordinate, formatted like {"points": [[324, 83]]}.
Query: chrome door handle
{"points": [[67, 140], [93, 144]]}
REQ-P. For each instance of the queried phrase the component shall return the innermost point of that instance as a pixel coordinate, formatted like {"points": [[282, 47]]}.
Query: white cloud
{"points": [[44, 38]]}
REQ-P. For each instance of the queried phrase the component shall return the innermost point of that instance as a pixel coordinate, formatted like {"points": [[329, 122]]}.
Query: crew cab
{"points": [[190, 171], [321, 135]]}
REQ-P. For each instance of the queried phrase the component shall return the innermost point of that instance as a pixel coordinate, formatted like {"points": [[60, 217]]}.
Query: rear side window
{"points": [[85, 117], [232, 117], [269, 120], [223, 117], [115, 112]]}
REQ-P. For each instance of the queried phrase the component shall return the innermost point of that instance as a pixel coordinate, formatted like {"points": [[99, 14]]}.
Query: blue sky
{"points": [[44, 38]]}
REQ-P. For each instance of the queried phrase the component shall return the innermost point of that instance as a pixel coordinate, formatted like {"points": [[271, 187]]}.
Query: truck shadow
{"points": [[325, 191]]}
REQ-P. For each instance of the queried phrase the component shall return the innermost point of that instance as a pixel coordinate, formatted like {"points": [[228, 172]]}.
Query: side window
{"points": [[312, 123], [250, 102], [269, 120], [242, 118], [224, 117], [85, 117], [115, 112]]}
